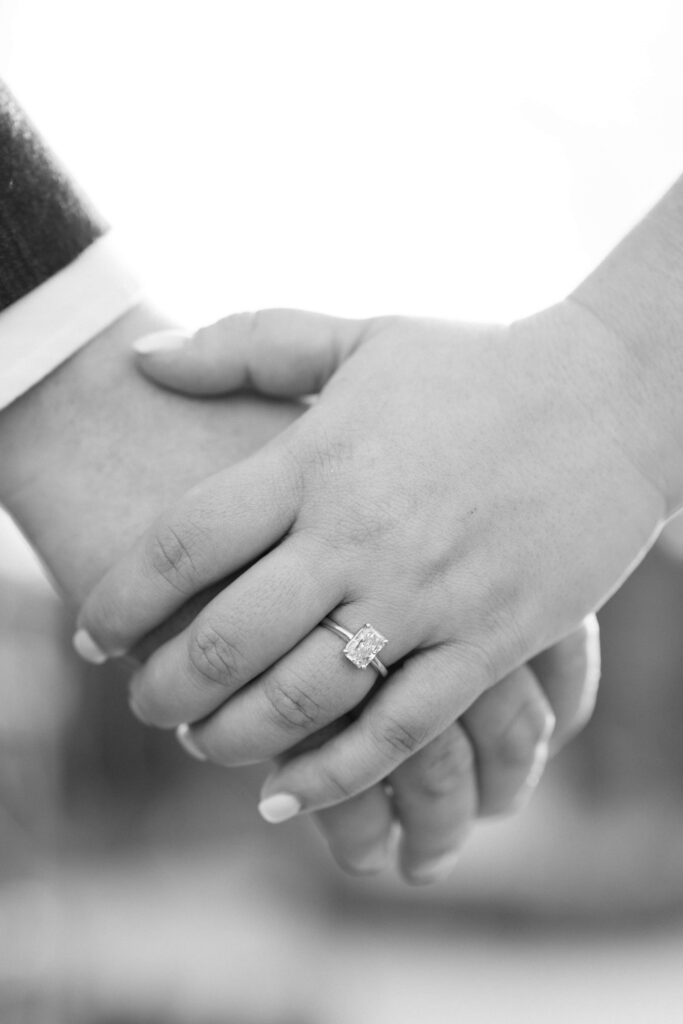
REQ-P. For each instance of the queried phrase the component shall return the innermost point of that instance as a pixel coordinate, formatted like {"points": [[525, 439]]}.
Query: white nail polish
{"points": [[161, 341], [188, 742], [434, 870], [85, 646], [279, 807]]}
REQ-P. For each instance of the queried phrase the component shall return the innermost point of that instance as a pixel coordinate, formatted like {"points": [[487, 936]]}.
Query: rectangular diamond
{"points": [[364, 646]]}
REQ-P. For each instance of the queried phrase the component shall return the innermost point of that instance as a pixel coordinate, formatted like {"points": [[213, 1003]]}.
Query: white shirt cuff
{"points": [[45, 327]]}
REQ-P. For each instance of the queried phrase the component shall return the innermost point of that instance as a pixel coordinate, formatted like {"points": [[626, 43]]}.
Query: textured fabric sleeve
{"points": [[44, 221], [62, 280]]}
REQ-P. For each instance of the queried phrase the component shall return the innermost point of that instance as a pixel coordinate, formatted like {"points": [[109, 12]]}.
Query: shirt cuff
{"points": [[45, 327]]}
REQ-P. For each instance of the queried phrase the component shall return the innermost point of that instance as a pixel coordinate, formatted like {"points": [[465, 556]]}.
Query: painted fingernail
{"points": [[85, 646], [188, 742], [433, 870], [279, 807], [161, 341]]}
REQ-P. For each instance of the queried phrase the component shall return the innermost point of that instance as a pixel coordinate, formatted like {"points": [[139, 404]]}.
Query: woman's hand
{"points": [[467, 490]]}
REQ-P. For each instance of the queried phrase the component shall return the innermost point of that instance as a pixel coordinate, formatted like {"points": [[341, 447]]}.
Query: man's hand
{"points": [[93, 453]]}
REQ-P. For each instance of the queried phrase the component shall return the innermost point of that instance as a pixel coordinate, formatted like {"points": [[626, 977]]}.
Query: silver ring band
{"points": [[362, 647]]}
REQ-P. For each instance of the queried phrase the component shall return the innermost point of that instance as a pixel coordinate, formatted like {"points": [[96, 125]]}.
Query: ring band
{"points": [[362, 647]]}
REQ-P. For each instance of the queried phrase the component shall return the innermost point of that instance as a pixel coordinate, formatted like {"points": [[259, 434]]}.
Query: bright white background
{"points": [[461, 159]]}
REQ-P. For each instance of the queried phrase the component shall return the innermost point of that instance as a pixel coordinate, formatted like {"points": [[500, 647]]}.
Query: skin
{"points": [[91, 454], [83, 480], [298, 688], [473, 491]]}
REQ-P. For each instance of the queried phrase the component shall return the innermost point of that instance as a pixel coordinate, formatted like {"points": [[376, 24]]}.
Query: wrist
{"points": [[58, 443], [641, 389], [591, 384], [34, 426], [635, 297]]}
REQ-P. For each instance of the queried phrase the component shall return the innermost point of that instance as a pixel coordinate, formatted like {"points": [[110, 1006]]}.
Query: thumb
{"points": [[283, 352]]}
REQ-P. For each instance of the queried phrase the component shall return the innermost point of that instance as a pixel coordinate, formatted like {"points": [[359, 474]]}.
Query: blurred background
{"points": [[451, 159]]}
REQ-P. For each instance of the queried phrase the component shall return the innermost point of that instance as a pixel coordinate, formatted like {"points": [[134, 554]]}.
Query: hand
{"points": [[488, 763], [94, 452], [69, 456], [461, 488], [60, 437]]}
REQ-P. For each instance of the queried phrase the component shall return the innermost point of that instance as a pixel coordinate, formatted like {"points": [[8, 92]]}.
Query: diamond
{"points": [[364, 646]]}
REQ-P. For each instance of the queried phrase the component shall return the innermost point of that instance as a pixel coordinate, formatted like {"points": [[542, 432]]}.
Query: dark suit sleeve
{"points": [[45, 223]]}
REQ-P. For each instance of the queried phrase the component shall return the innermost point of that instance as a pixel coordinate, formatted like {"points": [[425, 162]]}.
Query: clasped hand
{"points": [[408, 497]]}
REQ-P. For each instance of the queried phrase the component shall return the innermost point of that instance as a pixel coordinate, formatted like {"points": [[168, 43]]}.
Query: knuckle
{"points": [[291, 707], [253, 325], [447, 763], [529, 726], [321, 458], [334, 786], [397, 740], [378, 326], [476, 661], [170, 557], [214, 656]]}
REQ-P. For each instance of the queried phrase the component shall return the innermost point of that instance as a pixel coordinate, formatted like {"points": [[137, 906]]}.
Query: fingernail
{"points": [[187, 741], [523, 798], [85, 646], [279, 807], [161, 341], [538, 766], [433, 870]]}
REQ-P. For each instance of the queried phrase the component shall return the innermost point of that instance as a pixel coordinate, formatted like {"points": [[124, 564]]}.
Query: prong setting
{"points": [[364, 646]]}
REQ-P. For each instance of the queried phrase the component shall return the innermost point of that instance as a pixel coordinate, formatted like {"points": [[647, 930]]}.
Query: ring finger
{"points": [[311, 686]]}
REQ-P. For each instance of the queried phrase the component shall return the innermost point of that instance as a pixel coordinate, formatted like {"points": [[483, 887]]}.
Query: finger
{"points": [[510, 727], [416, 703], [250, 625], [311, 686], [360, 831], [569, 673], [435, 796], [275, 351], [216, 529]]}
